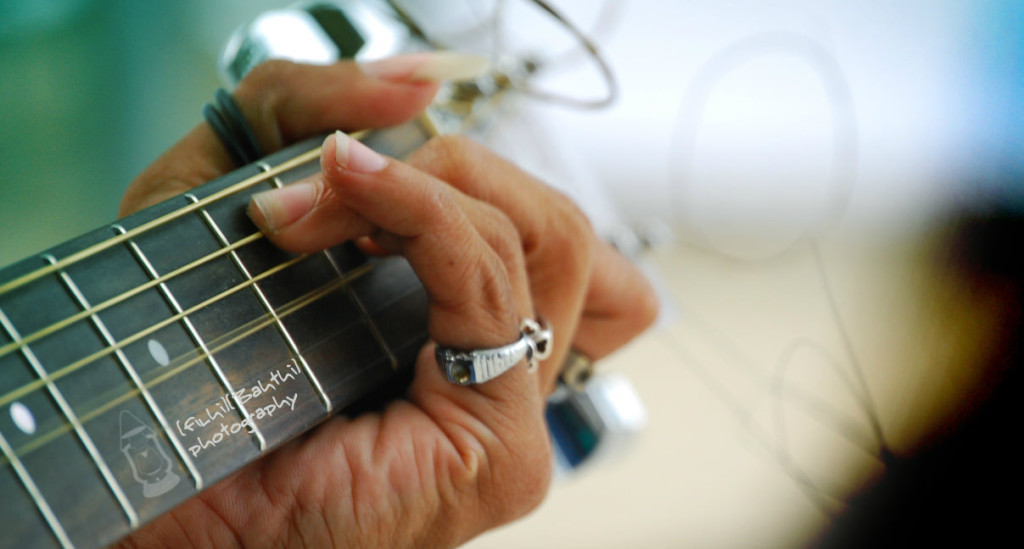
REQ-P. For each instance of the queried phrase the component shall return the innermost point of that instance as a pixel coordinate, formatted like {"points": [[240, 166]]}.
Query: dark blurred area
{"points": [[958, 487]]}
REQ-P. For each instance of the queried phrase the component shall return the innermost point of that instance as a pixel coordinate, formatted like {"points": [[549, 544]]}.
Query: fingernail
{"points": [[434, 66], [274, 210], [354, 156]]}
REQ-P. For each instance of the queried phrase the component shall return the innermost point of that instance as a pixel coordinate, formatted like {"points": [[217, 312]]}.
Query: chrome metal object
{"points": [[322, 33], [318, 33]]}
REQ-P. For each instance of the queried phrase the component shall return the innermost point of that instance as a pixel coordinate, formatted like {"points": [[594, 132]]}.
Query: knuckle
{"points": [[506, 268], [260, 95], [539, 479], [571, 236], [572, 216], [531, 482], [448, 155], [437, 203], [504, 237], [502, 482], [481, 271], [496, 294]]}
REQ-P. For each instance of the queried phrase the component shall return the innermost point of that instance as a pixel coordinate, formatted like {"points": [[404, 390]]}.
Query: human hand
{"points": [[491, 245]]}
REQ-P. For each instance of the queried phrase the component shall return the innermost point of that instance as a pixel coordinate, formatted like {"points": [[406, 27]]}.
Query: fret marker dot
{"points": [[23, 418], [158, 352]]}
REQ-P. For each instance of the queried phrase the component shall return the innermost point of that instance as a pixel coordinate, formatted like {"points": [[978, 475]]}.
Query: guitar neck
{"points": [[144, 361]]}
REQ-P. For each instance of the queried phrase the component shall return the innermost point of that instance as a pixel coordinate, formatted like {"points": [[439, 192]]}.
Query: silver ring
{"points": [[463, 367]]}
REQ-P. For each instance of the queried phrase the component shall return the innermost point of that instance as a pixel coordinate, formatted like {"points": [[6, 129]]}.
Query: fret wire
{"points": [[37, 496], [433, 129], [264, 167], [374, 329], [108, 476], [222, 240], [265, 303], [164, 219], [57, 326], [276, 182], [126, 365], [217, 345], [218, 372], [141, 334]]}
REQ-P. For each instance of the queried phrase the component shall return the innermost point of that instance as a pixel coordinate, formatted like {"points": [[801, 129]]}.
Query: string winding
{"points": [[589, 47]]}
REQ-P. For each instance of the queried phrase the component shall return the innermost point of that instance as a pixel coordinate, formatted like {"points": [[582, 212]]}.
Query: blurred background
{"points": [[789, 173]]}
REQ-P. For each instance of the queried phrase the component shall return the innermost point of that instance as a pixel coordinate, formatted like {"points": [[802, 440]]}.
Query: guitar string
{"points": [[19, 392], [129, 235], [163, 220], [78, 364], [231, 337], [120, 298], [57, 266], [215, 346], [91, 251], [14, 346]]}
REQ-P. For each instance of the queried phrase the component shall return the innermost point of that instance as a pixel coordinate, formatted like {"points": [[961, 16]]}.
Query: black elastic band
{"points": [[220, 127], [231, 127], [239, 125]]}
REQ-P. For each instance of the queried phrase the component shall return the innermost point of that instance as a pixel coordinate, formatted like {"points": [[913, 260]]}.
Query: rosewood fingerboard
{"points": [[144, 361]]}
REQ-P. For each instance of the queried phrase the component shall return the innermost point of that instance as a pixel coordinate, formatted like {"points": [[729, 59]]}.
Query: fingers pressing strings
{"points": [[285, 102], [477, 297]]}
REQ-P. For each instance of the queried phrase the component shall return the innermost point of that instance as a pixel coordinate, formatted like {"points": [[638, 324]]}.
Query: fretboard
{"points": [[143, 361]]}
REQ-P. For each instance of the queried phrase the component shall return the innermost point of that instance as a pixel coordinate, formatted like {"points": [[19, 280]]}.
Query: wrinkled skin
{"points": [[492, 246]]}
